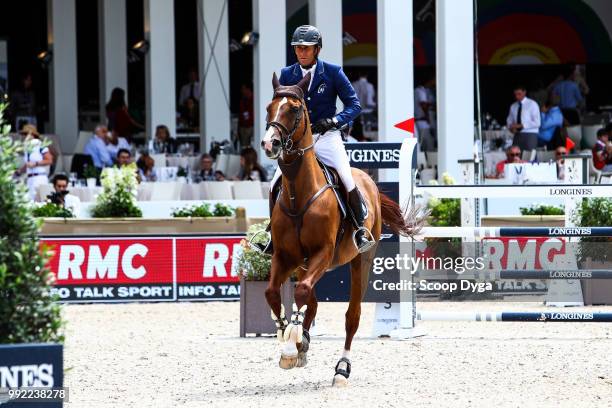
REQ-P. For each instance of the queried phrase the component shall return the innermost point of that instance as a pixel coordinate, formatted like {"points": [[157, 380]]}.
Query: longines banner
{"points": [[160, 268], [373, 155]]}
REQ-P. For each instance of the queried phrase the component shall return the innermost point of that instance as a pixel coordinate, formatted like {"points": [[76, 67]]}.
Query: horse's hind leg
{"points": [[359, 267]]}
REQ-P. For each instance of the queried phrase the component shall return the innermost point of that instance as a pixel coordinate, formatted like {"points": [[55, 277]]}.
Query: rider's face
{"points": [[305, 54]]}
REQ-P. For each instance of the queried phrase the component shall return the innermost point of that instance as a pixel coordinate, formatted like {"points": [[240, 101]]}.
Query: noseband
{"points": [[286, 135]]}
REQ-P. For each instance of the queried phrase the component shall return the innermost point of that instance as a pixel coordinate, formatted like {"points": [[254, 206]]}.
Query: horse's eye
{"points": [[294, 109]]}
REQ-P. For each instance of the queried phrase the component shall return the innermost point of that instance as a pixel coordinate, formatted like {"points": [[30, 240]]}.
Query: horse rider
{"points": [[328, 82]]}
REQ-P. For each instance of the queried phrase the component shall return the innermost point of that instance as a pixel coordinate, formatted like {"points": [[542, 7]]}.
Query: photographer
{"points": [[62, 196]]}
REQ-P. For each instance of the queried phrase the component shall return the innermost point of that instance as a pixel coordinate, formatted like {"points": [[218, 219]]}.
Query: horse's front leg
{"points": [[278, 275], [296, 339]]}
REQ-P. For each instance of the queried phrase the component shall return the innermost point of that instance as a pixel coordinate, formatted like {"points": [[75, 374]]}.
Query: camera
{"points": [[57, 197]]}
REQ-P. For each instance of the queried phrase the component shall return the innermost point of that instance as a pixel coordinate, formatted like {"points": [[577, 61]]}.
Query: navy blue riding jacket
{"points": [[329, 82]]}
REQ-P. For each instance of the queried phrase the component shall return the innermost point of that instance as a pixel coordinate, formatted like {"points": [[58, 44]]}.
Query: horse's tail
{"points": [[402, 222]]}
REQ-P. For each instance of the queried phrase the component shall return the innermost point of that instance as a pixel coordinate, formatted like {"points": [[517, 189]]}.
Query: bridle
{"points": [[286, 135]]}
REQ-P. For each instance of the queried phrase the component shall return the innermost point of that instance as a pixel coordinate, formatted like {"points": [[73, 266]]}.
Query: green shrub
{"points": [[28, 312], [51, 210], [118, 198], [594, 212], [542, 209], [444, 212], [203, 210]]}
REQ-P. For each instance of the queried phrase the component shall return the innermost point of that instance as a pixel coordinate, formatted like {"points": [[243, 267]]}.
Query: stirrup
{"points": [[255, 246], [371, 241]]}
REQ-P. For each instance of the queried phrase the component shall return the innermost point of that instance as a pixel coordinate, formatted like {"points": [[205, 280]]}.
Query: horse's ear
{"points": [[275, 83], [304, 82]]}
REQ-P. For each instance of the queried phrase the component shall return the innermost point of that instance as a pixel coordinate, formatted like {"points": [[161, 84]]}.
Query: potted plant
{"points": [[91, 175], [595, 252], [118, 198], [254, 269], [29, 312], [51, 210], [204, 211]]}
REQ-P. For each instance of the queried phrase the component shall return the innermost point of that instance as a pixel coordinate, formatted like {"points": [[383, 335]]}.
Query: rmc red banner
{"points": [[120, 269]]}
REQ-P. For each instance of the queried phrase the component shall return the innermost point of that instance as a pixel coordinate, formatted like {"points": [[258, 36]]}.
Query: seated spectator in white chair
{"points": [[62, 196], [219, 176], [163, 141], [206, 168], [116, 143], [560, 153], [250, 169], [96, 148], [513, 155], [146, 166], [602, 152], [124, 157]]}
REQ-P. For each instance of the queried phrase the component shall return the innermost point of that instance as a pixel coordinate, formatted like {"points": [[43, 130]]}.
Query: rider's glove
{"points": [[323, 126]]}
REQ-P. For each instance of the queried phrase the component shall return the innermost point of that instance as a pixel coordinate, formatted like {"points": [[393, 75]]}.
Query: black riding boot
{"points": [[358, 208], [263, 247]]}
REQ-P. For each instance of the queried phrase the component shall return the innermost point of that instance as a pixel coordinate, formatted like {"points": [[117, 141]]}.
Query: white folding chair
{"points": [[170, 191], [544, 156], [221, 163], [160, 160], [218, 190], [421, 160], [233, 166], [575, 133], [84, 137], [427, 175], [247, 190], [589, 135], [42, 191]]}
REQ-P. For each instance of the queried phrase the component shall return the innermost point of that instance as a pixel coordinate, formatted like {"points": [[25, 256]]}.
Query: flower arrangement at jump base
{"points": [[118, 198], [251, 264]]}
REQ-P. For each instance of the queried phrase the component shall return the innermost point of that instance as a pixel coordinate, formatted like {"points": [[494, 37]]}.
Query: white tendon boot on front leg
{"points": [[293, 335], [280, 322], [343, 370]]}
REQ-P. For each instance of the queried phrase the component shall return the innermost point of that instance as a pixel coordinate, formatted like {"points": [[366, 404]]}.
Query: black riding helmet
{"points": [[307, 35]]}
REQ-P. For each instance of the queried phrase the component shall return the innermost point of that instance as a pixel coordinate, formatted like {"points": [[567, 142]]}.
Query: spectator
{"points": [[250, 169], [163, 142], [424, 107], [602, 151], [560, 153], [513, 155], [551, 124], [219, 176], [37, 159], [124, 157], [190, 115], [146, 166], [206, 168], [245, 120], [62, 196], [191, 89], [569, 96], [524, 120], [366, 94], [96, 148], [116, 143], [23, 102], [118, 116]]}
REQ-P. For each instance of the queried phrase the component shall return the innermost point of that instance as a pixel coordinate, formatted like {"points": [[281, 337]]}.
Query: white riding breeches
{"points": [[329, 148]]}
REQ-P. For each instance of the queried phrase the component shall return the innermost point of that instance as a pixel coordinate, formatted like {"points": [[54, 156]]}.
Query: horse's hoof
{"points": [[302, 359], [340, 381], [288, 362]]}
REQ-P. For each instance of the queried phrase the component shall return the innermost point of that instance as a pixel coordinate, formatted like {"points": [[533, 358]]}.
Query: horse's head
{"points": [[286, 115]]}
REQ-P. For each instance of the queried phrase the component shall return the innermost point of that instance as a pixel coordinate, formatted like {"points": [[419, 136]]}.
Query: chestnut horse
{"points": [[305, 224]]}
